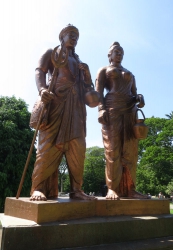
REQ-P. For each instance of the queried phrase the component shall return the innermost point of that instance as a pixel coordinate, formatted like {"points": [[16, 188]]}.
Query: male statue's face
{"points": [[70, 39]]}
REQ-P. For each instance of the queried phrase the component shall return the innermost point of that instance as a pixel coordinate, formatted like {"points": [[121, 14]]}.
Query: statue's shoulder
{"points": [[127, 71], [102, 70], [44, 61], [46, 53], [101, 73]]}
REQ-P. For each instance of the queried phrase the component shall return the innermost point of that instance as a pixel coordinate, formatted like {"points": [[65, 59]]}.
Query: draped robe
{"points": [[64, 134]]}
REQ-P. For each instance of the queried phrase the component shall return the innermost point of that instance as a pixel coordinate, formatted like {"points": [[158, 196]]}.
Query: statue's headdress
{"points": [[115, 44], [67, 29]]}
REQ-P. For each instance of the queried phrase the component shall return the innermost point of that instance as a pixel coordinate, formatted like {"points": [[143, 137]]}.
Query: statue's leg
{"points": [[48, 158], [75, 156], [129, 161], [130, 157], [45, 174], [113, 171]]}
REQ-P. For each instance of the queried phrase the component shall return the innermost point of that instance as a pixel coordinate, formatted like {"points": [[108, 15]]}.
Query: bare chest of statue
{"points": [[71, 71]]}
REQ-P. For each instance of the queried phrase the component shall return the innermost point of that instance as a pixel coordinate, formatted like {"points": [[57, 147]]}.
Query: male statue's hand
{"points": [[46, 96], [85, 68], [103, 117]]}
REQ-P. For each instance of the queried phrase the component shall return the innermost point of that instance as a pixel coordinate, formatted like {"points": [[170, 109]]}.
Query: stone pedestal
{"points": [[63, 223], [66, 209], [20, 234]]}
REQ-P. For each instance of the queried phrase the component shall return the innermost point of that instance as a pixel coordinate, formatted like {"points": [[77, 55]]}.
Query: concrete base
{"points": [[66, 209], [65, 223], [22, 234], [164, 243]]}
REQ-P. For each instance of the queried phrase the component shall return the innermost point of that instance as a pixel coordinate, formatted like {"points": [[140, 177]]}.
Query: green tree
{"points": [[169, 189], [170, 115], [94, 170], [15, 140], [62, 175], [155, 167], [66, 182]]}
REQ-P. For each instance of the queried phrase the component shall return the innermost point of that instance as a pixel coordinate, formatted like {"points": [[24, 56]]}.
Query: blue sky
{"points": [[143, 28]]}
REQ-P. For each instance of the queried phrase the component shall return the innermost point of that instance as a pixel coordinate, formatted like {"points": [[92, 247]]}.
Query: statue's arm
{"points": [[139, 97], [44, 65], [100, 84], [134, 89], [86, 75]]}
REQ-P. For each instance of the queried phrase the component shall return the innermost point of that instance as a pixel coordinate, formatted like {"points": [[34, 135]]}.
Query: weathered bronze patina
{"points": [[65, 131], [117, 111]]}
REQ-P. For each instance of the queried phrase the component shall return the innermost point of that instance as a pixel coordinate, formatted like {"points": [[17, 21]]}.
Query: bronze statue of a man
{"points": [[66, 130], [117, 111]]}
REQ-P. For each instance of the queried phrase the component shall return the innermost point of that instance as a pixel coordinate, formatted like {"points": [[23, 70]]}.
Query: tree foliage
{"points": [[94, 170], [169, 189], [155, 168], [15, 140], [63, 180], [170, 115]]}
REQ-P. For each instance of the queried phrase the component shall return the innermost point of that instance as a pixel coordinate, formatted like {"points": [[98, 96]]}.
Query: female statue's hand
{"points": [[140, 99], [46, 96], [103, 117]]}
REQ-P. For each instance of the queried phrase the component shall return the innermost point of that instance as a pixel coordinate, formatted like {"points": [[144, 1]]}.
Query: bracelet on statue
{"points": [[41, 90]]}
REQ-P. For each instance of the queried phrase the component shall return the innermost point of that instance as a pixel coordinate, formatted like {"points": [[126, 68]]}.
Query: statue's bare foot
{"points": [[80, 195], [38, 196], [136, 195], [112, 195]]}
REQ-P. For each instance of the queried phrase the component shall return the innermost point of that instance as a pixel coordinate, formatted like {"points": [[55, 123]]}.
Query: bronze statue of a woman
{"points": [[117, 115]]}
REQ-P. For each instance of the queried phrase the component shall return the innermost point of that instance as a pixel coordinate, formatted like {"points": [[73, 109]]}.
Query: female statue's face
{"points": [[70, 39], [117, 55]]}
